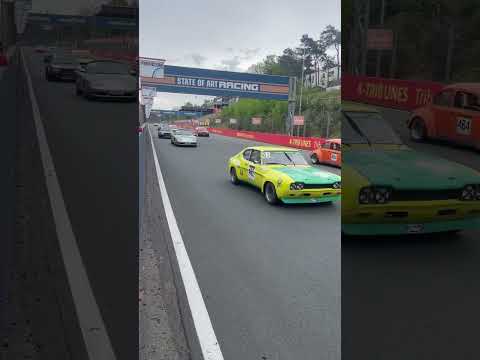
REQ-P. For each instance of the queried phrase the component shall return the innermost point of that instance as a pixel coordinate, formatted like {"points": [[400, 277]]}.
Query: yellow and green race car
{"points": [[391, 189], [283, 175]]}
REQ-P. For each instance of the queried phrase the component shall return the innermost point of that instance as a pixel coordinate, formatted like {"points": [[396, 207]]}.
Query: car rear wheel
{"points": [[233, 176], [314, 158], [418, 130], [270, 194]]}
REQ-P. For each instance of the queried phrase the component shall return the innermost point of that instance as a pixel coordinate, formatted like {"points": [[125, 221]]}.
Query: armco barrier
{"points": [[305, 143], [397, 94]]}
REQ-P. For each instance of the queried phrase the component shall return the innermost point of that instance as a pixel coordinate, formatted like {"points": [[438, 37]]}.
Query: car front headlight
{"points": [[374, 195], [296, 186], [470, 192]]}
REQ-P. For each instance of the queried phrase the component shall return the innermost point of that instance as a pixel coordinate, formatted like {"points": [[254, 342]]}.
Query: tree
{"points": [[332, 37]]}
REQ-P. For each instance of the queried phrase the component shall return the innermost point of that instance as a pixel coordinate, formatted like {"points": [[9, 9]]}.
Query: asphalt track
{"points": [[412, 297], [270, 276], [95, 151]]}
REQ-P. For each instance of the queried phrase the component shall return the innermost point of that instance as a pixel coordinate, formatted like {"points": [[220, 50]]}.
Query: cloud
{"points": [[231, 64], [197, 59], [249, 53]]}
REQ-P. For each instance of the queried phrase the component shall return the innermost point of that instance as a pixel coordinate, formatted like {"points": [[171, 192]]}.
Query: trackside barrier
{"points": [[305, 143], [396, 94]]}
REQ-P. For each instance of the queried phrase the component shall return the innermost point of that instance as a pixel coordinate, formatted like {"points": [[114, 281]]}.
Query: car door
{"points": [[243, 166], [466, 117], [254, 167], [324, 153], [334, 153], [443, 114]]}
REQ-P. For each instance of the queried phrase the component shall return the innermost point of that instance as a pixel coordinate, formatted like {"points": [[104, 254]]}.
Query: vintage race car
{"points": [[453, 115], [390, 188], [329, 153], [283, 174]]}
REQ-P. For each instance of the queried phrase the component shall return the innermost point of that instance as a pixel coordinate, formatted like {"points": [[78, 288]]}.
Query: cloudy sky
{"points": [[227, 35]]}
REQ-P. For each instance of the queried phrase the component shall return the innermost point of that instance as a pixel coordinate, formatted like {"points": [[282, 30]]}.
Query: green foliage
{"points": [[320, 108]]}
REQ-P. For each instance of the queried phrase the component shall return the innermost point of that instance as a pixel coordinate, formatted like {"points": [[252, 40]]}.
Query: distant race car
{"points": [[40, 49], [61, 67], [181, 137], [329, 153], [105, 79], [164, 131], [454, 115], [202, 131], [391, 189], [283, 175]]}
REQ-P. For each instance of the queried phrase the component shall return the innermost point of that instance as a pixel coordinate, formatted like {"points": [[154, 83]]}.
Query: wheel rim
{"points": [[314, 159], [417, 130], [269, 193]]}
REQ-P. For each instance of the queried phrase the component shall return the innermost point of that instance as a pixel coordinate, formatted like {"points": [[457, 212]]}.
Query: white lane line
{"points": [[91, 323], [203, 325]]}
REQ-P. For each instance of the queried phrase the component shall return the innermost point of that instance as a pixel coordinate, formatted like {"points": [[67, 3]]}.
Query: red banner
{"points": [[398, 94], [305, 143]]}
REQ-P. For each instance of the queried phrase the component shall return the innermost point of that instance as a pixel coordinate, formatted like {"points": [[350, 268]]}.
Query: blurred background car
{"points": [[202, 131], [61, 67], [183, 137], [164, 131], [329, 153], [108, 80]]}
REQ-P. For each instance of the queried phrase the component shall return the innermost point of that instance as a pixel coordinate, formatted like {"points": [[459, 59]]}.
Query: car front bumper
{"points": [[374, 229], [411, 217], [112, 94], [309, 196]]}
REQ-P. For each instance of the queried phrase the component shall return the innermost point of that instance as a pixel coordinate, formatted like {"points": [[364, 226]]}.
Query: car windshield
{"points": [[183, 132], [107, 67], [283, 158], [367, 127], [64, 59]]}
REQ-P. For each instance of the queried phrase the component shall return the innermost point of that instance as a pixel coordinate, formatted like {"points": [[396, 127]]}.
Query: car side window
{"points": [[467, 101], [255, 157], [326, 145], [443, 98], [246, 154]]}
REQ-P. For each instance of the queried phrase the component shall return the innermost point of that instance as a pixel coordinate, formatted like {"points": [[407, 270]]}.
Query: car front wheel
{"points": [[418, 130], [270, 194], [314, 158], [233, 176]]}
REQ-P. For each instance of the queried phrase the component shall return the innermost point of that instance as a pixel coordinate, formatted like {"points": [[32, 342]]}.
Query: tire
{"points": [[418, 130], [314, 158], [270, 194], [48, 76], [233, 176], [78, 92]]}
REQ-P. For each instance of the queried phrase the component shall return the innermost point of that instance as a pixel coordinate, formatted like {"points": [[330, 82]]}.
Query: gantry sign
{"points": [[154, 74]]}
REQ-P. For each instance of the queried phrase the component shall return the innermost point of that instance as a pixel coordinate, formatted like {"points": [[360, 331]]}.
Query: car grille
{"points": [[425, 195], [318, 186]]}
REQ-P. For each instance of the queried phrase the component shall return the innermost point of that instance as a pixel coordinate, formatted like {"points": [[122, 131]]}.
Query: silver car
{"points": [[181, 137], [108, 80]]}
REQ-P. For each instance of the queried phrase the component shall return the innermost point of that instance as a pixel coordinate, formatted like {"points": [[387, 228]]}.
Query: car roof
{"points": [[357, 107], [336, 141], [471, 87], [271, 148]]}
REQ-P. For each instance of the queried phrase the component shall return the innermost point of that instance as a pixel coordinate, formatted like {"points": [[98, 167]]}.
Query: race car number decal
{"points": [[464, 126], [266, 155], [251, 172], [333, 157]]}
